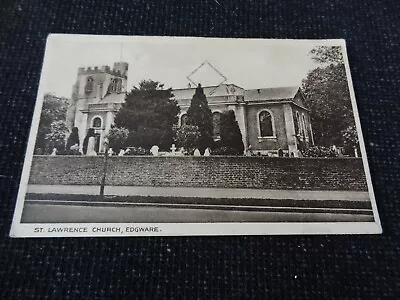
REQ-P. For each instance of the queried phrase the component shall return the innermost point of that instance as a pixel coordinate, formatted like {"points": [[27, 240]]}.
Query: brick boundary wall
{"points": [[214, 171]]}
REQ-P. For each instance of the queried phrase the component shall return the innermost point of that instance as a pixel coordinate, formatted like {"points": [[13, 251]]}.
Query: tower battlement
{"points": [[119, 69]]}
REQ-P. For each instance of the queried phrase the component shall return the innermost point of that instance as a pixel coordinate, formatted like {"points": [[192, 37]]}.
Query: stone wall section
{"points": [[217, 171]]}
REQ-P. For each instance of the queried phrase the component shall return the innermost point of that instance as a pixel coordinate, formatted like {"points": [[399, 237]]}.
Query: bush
{"points": [[146, 137], [231, 137], [319, 151], [138, 151], [225, 150], [117, 137], [188, 137]]}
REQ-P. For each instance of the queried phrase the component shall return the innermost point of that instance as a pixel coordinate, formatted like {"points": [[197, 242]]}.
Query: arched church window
{"points": [[118, 85], [184, 120], [296, 123], [305, 131], [265, 121], [216, 124], [300, 124], [96, 122], [89, 85]]}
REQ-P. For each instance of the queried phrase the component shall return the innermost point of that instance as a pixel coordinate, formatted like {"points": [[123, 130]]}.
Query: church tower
{"points": [[95, 83], [97, 93]]}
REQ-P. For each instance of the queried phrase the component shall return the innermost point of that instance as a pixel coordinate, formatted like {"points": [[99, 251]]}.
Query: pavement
{"points": [[231, 193], [77, 204], [35, 212]]}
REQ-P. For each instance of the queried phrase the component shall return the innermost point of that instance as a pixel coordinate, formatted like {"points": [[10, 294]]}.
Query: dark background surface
{"points": [[300, 267]]}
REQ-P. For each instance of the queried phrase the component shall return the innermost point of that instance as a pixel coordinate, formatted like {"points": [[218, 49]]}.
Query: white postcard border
{"points": [[19, 229]]}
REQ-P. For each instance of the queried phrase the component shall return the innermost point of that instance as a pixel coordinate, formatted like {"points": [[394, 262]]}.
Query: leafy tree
{"points": [[327, 54], [327, 95], [149, 114], [53, 109], [117, 138], [199, 114], [231, 137], [55, 138], [188, 137], [350, 139]]}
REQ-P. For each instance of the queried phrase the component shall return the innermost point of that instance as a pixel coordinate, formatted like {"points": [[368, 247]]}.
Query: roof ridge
{"points": [[274, 87]]}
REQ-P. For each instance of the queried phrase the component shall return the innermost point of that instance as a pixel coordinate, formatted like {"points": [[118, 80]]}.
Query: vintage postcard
{"points": [[138, 136]]}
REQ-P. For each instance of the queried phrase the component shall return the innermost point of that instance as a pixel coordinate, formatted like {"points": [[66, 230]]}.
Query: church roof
{"points": [[276, 93], [209, 91], [114, 98]]}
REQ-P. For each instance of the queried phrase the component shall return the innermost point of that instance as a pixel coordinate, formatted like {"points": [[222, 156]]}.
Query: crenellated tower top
{"points": [[119, 69], [95, 82]]}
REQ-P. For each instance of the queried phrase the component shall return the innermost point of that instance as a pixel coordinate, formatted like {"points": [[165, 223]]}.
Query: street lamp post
{"points": [[103, 178]]}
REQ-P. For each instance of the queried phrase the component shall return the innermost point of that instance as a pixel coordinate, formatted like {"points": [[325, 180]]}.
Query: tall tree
{"points": [[54, 109], [327, 95], [117, 138], [199, 114], [231, 137], [149, 113], [55, 138]]}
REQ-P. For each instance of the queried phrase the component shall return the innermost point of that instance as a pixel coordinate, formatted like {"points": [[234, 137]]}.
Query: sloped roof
{"points": [[276, 93], [209, 91], [114, 98]]}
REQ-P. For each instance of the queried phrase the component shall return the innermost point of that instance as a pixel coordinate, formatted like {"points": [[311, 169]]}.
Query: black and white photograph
{"points": [[136, 136]]}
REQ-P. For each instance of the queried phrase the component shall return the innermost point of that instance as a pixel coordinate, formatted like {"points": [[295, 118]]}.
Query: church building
{"points": [[270, 119]]}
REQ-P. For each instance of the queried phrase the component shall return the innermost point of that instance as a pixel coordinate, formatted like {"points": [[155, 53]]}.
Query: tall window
{"points": [[89, 85], [96, 122], [265, 122], [296, 123], [216, 124], [304, 126], [118, 85], [184, 120], [115, 86]]}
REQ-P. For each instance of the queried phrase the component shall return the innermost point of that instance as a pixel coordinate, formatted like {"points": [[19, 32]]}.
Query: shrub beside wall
{"points": [[224, 172]]}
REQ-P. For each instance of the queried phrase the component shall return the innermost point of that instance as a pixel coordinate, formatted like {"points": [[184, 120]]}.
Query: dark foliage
{"points": [[231, 138], [149, 113], [188, 137], [89, 134], [54, 109], [319, 151], [138, 151], [199, 114], [117, 138], [72, 139], [327, 95]]}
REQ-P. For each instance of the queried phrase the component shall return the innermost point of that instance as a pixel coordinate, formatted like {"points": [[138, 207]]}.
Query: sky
{"points": [[247, 63]]}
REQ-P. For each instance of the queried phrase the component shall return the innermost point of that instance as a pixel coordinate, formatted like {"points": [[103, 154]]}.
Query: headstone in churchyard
{"points": [[90, 147], [173, 149], [355, 152], [154, 150]]}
